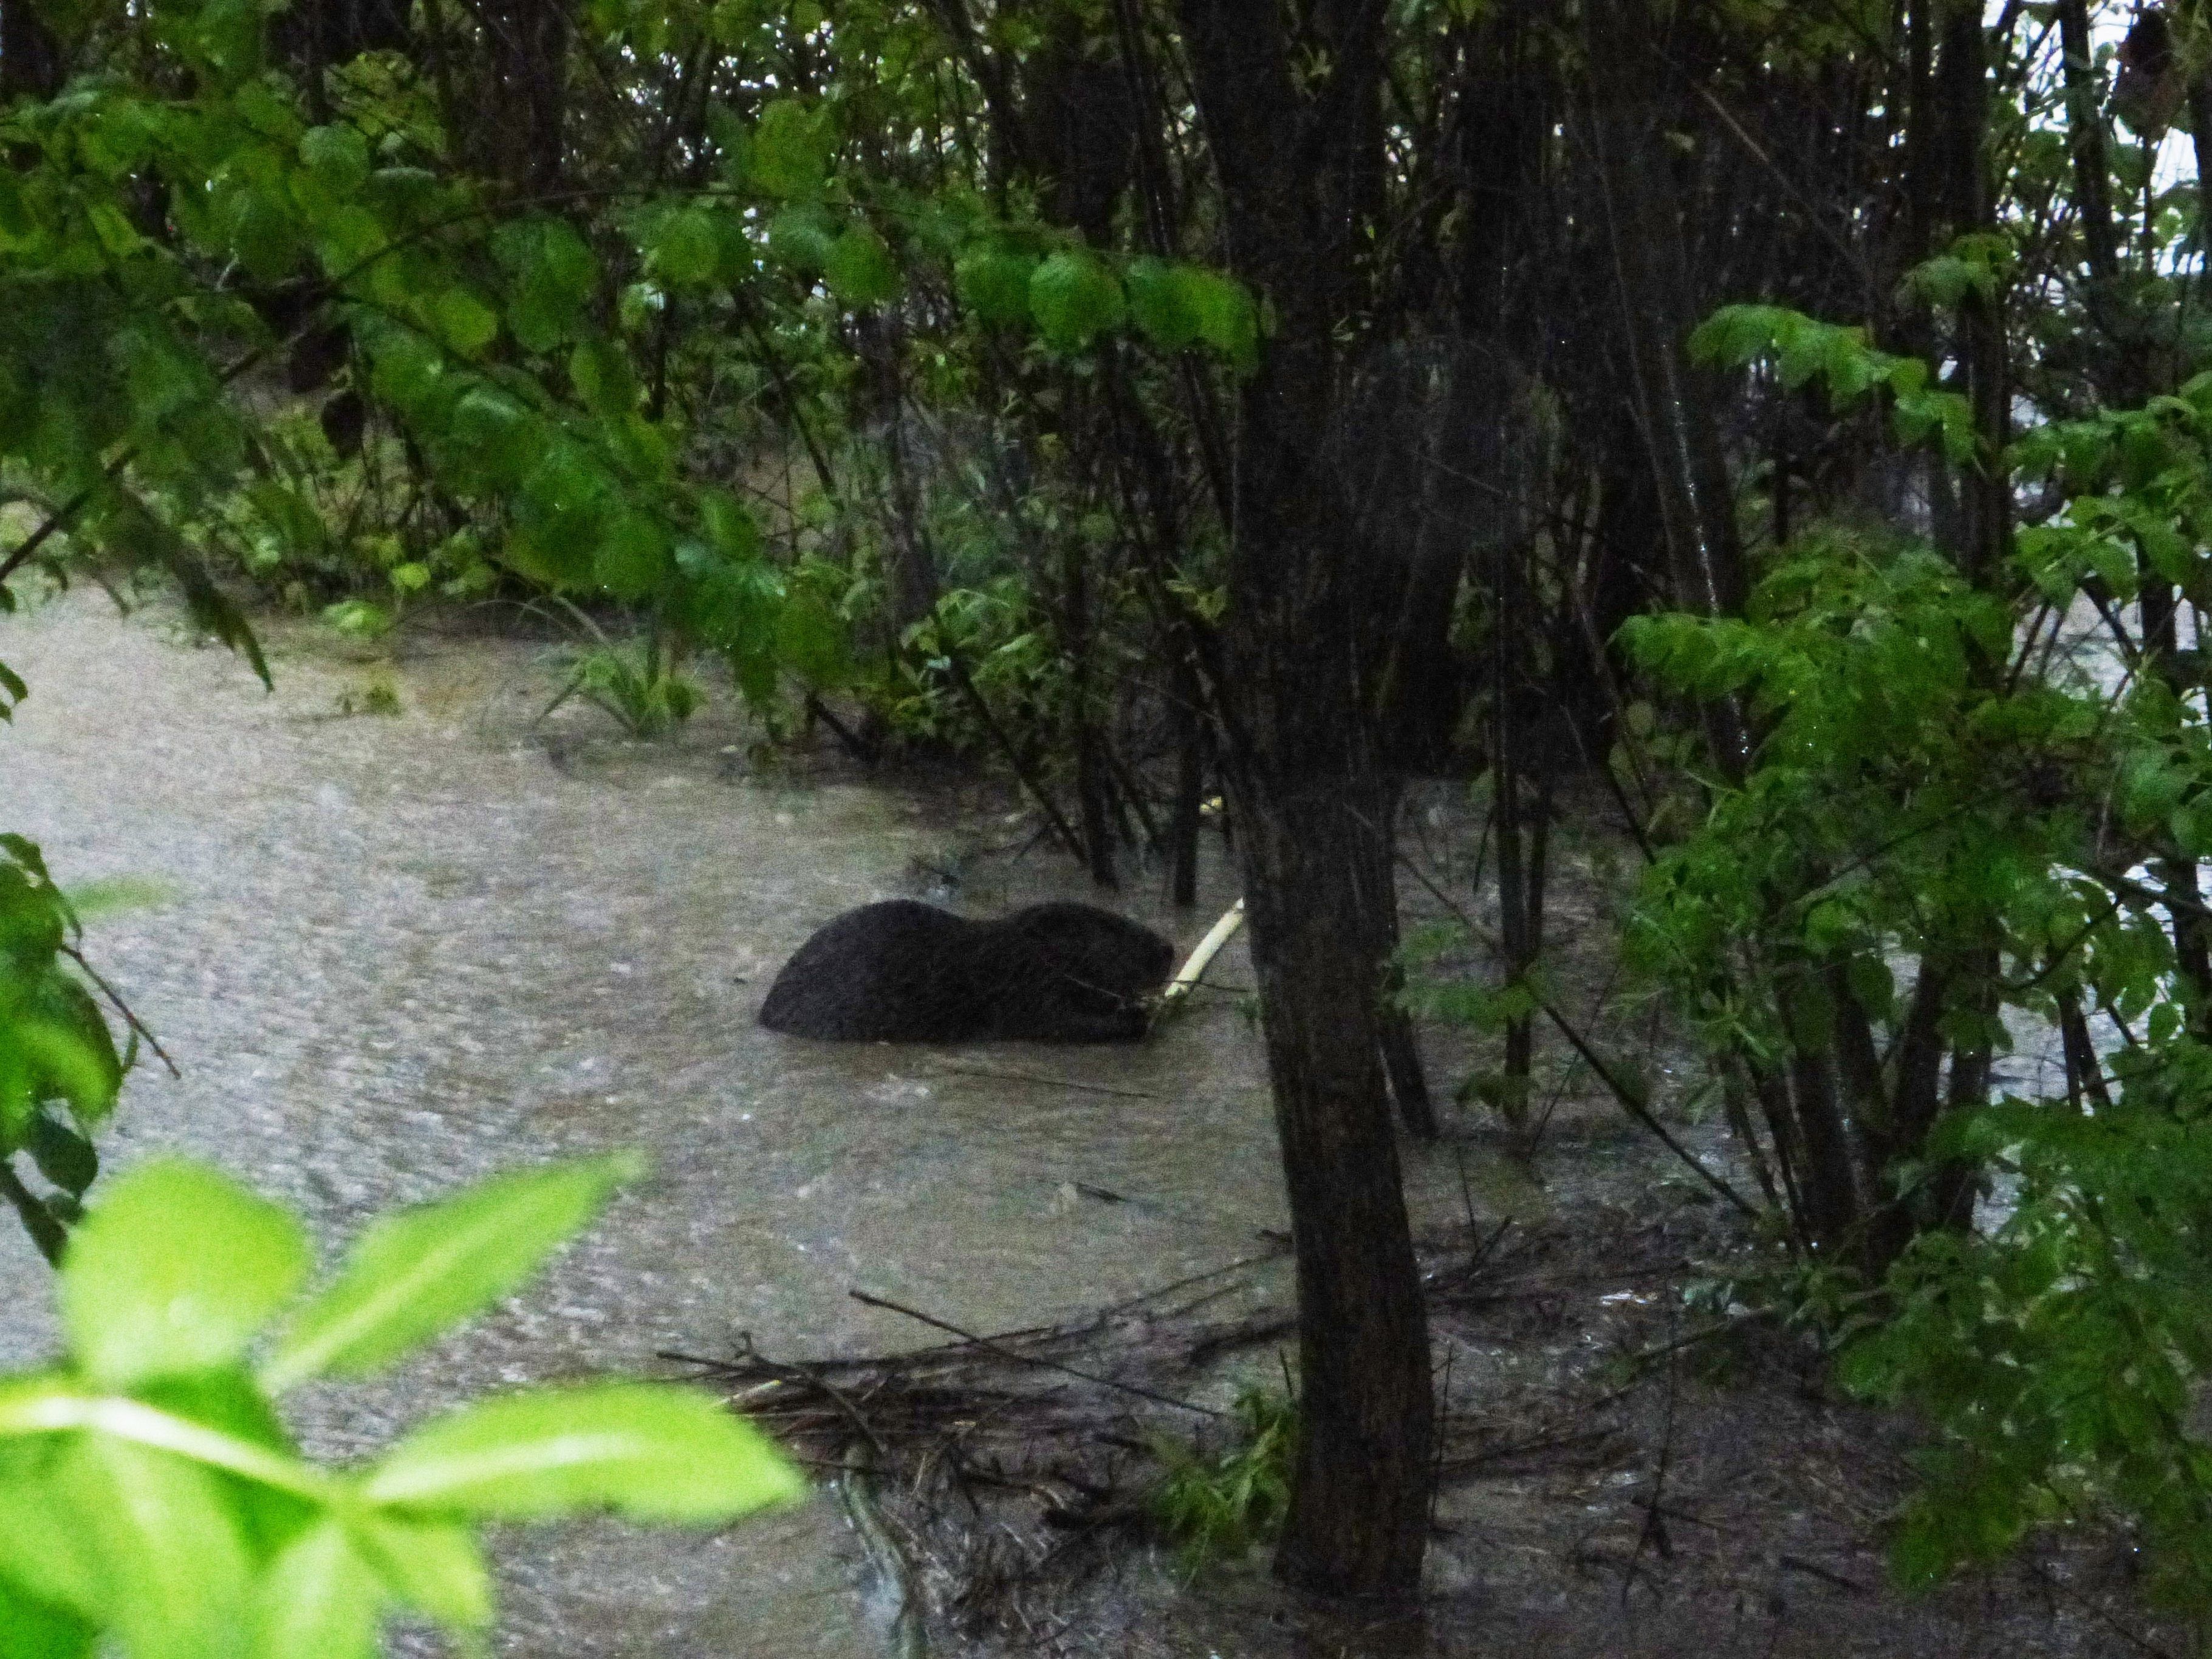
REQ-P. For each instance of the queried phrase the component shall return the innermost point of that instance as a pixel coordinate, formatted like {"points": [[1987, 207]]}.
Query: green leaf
{"points": [[337, 156], [2150, 786], [557, 278], [1228, 320], [117, 234], [1074, 299], [791, 149], [465, 323], [359, 619], [432, 1566], [64, 1157], [811, 640], [31, 1630], [599, 370], [859, 271], [1921, 1554], [632, 560], [43, 1552], [264, 234], [687, 250], [804, 236], [174, 1271], [1733, 336], [497, 434], [729, 527], [171, 1562], [416, 1272], [222, 36], [16, 221], [2192, 822], [1160, 304], [1872, 985], [650, 1451], [318, 1600], [162, 380], [995, 283], [291, 514]]}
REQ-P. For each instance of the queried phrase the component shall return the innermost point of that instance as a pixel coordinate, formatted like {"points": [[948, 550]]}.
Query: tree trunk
{"points": [[1301, 647], [2125, 381], [1804, 1099], [1092, 784], [911, 576], [521, 127], [1358, 1516], [1192, 734], [1402, 1049], [31, 63]]}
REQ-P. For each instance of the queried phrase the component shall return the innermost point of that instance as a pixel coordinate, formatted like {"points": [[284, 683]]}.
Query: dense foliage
{"points": [[1153, 399]]}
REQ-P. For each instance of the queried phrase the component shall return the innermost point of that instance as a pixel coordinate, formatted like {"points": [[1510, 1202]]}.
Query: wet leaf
{"points": [[650, 1451], [174, 1270], [419, 1272]]}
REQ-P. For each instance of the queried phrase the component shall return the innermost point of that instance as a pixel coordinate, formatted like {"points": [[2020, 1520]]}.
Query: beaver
{"points": [[901, 971]]}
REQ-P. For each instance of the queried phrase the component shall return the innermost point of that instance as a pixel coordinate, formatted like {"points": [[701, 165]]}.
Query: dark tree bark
{"points": [[1093, 784], [31, 60], [1080, 131], [520, 129], [1192, 731], [1806, 1101], [1301, 752], [911, 578], [1985, 490], [2087, 139], [1306, 773], [1673, 404]]}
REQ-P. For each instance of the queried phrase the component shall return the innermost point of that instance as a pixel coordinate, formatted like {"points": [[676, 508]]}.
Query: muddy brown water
{"points": [[395, 954]]}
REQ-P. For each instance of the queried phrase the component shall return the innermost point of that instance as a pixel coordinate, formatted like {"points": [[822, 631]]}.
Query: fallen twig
{"points": [[1000, 1076], [1019, 1359]]}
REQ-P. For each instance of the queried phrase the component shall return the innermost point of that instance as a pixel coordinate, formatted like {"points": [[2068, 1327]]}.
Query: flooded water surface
{"points": [[395, 954]]}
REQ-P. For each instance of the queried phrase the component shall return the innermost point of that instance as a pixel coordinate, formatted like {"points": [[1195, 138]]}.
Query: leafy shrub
{"points": [[638, 687], [1931, 792], [1223, 1505], [2059, 1359], [150, 1495]]}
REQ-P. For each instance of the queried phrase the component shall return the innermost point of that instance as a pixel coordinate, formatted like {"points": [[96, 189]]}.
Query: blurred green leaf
{"points": [[175, 1270], [859, 271], [318, 1600], [791, 149], [1074, 299], [421, 1272], [650, 1451]]}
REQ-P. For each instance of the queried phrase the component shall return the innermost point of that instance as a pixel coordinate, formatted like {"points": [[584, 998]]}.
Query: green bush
{"points": [[2058, 1360], [1220, 1505], [151, 1498]]}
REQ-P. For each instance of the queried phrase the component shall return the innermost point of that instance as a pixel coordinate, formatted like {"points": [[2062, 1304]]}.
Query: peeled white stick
{"points": [[1202, 958]]}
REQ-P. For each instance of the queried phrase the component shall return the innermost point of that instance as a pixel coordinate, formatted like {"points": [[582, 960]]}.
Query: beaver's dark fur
{"points": [[905, 972]]}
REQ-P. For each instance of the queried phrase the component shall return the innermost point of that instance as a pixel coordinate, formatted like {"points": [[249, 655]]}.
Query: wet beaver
{"points": [[906, 972]]}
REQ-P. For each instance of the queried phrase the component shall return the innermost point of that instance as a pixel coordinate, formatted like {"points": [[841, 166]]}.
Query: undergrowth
{"points": [[1217, 1506]]}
